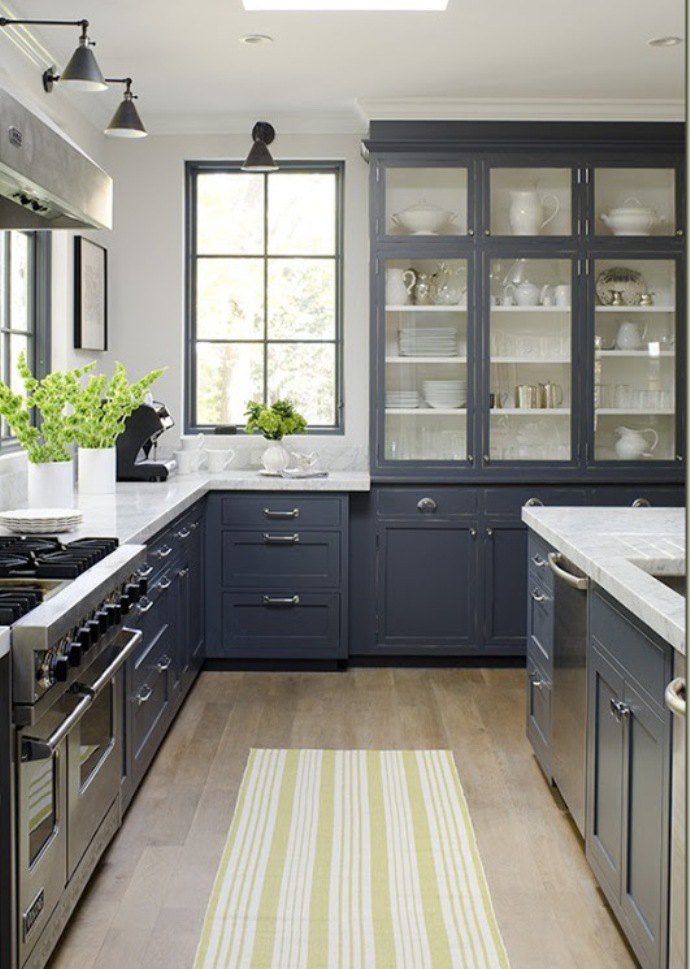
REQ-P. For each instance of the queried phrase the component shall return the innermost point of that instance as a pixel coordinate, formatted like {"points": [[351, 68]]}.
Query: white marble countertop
{"points": [[138, 510], [5, 639], [618, 548]]}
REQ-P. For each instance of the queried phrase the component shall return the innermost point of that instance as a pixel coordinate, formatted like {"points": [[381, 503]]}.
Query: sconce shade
{"points": [[126, 123], [259, 158], [82, 72]]}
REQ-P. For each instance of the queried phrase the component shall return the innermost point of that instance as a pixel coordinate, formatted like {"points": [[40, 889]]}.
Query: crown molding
{"points": [[348, 121], [521, 109]]}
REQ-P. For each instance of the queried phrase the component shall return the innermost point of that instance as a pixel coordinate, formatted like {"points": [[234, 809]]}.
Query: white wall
{"points": [[146, 259]]}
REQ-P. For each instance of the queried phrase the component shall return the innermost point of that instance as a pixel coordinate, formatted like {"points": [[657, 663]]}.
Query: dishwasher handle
{"points": [[675, 696], [574, 581]]}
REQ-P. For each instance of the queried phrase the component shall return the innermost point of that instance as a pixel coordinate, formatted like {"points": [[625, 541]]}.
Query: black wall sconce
{"points": [[81, 72], [125, 123], [259, 158]]}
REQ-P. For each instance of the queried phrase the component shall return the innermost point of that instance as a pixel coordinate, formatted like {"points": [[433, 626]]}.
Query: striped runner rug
{"points": [[351, 859]]}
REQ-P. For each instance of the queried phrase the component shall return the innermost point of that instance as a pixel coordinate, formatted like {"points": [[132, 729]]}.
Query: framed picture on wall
{"points": [[90, 295]]}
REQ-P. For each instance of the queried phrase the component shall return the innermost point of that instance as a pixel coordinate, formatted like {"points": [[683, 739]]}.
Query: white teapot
{"points": [[629, 336], [525, 293], [632, 444]]}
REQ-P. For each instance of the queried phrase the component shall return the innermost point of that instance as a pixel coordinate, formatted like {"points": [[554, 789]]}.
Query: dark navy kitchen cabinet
{"points": [[503, 549], [629, 770], [277, 573]]}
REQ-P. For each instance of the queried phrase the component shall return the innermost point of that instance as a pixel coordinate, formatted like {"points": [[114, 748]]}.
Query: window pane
{"points": [[230, 213], [304, 372], [19, 281], [227, 376], [301, 214], [301, 299], [18, 344], [230, 299]]}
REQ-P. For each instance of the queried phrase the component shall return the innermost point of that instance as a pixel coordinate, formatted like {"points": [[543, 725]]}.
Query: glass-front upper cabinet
{"points": [[530, 201], [530, 360], [635, 201], [426, 201], [635, 320], [425, 354]]}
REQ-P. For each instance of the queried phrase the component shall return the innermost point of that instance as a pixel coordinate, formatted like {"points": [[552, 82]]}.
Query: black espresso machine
{"points": [[142, 430]]}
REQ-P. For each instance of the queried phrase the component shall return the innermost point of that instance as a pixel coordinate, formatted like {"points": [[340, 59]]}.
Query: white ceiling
{"points": [[192, 73]]}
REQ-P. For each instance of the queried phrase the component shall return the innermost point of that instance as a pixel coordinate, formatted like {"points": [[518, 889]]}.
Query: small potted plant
{"points": [[100, 410], [275, 423], [46, 441]]}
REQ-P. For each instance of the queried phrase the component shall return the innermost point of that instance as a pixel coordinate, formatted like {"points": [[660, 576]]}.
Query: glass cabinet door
{"points": [[634, 201], [426, 201], [530, 201], [425, 362], [634, 359], [530, 369]]}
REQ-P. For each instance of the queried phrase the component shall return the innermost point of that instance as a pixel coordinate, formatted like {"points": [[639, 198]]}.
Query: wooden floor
{"points": [[145, 906]]}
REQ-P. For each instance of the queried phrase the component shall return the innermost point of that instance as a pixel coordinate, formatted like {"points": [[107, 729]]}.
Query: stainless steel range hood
{"points": [[46, 182]]}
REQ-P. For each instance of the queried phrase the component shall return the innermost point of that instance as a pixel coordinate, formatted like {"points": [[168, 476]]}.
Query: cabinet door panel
{"points": [[426, 586], [605, 783], [539, 712], [505, 587], [270, 558]]}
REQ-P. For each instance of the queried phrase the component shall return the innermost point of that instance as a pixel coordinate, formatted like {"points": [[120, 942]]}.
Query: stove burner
{"points": [[48, 558], [16, 602]]}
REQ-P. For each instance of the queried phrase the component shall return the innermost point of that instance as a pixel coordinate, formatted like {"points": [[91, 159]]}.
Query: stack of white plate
{"points": [[445, 393], [41, 521], [432, 341], [398, 399]]}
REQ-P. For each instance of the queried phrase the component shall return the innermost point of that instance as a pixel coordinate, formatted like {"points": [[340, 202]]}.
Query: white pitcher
{"points": [[527, 211], [630, 336], [396, 290], [632, 444]]}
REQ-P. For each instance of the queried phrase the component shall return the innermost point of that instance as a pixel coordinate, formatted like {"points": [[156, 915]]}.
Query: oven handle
{"points": [[34, 748], [575, 581]]}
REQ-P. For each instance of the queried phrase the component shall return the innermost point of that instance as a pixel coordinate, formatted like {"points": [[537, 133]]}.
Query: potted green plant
{"points": [[275, 423], [101, 408], [39, 420]]}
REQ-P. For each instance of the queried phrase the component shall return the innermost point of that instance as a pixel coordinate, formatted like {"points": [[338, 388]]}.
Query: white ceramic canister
{"points": [[51, 485], [97, 470]]}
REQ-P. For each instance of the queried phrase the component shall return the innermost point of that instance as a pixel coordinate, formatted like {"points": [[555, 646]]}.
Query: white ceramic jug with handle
{"points": [[632, 445], [526, 211], [397, 293], [630, 336]]}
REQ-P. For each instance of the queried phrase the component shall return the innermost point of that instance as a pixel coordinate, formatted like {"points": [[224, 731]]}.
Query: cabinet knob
{"points": [[470, 232], [679, 232], [486, 459], [642, 503], [426, 505], [487, 232], [534, 503], [619, 709], [489, 532], [473, 532], [470, 458]]}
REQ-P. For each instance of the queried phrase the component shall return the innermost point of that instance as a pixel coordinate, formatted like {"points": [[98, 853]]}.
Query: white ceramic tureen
{"points": [[631, 218], [423, 219]]}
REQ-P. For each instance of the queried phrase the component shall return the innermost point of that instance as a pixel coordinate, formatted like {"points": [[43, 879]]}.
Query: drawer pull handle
{"points": [[145, 572], [675, 696], [574, 581], [163, 552], [281, 600], [537, 683], [619, 709], [642, 503], [281, 539], [539, 596], [270, 513], [183, 533], [534, 503], [165, 583], [427, 505], [147, 605], [163, 664], [539, 561], [144, 695], [183, 572]]}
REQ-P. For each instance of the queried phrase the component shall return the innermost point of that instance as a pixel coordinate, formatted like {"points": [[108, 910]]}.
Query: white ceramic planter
{"points": [[51, 485], [97, 470], [275, 458]]}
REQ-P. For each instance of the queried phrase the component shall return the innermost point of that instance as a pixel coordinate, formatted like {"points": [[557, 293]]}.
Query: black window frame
{"points": [[194, 168], [40, 315]]}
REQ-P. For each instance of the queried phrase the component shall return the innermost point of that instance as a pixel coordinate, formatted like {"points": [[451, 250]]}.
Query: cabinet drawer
{"points": [[538, 688], [152, 654], [288, 624], [256, 511], [508, 502], [538, 562], [540, 618], [645, 659], [266, 559], [649, 496], [150, 708], [425, 503]]}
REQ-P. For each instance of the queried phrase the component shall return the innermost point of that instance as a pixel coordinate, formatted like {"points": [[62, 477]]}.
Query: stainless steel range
{"points": [[67, 653]]}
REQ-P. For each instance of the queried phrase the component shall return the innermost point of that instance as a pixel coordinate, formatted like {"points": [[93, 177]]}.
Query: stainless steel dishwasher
{"points": [[569, 692]]}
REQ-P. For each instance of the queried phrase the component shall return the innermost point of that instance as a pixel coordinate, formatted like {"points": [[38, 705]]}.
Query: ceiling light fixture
{"points": [[259, 158], [256, 39], [81, 72], [125, 123], [347, 5], [670, 41]]}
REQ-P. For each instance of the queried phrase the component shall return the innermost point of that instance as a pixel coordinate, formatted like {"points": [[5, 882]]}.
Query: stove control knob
{"points": [[94, 627], [132, 589], [74, 653], [143, 585], [125, 603], [83, 637], [103, 620], [114, 613], [59, 668]]}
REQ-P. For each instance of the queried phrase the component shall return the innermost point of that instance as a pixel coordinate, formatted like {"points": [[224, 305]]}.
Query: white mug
{"points": [[190, 460], [219, 459], [562, 295], [190, 442]]}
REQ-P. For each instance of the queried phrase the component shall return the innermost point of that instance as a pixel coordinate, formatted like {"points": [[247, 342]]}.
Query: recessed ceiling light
{"points": [[670, 41], [256, 39], [328, 5]]}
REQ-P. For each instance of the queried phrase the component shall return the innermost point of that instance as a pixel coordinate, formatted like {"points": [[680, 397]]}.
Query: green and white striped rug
{"points": [[351, 859]]}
